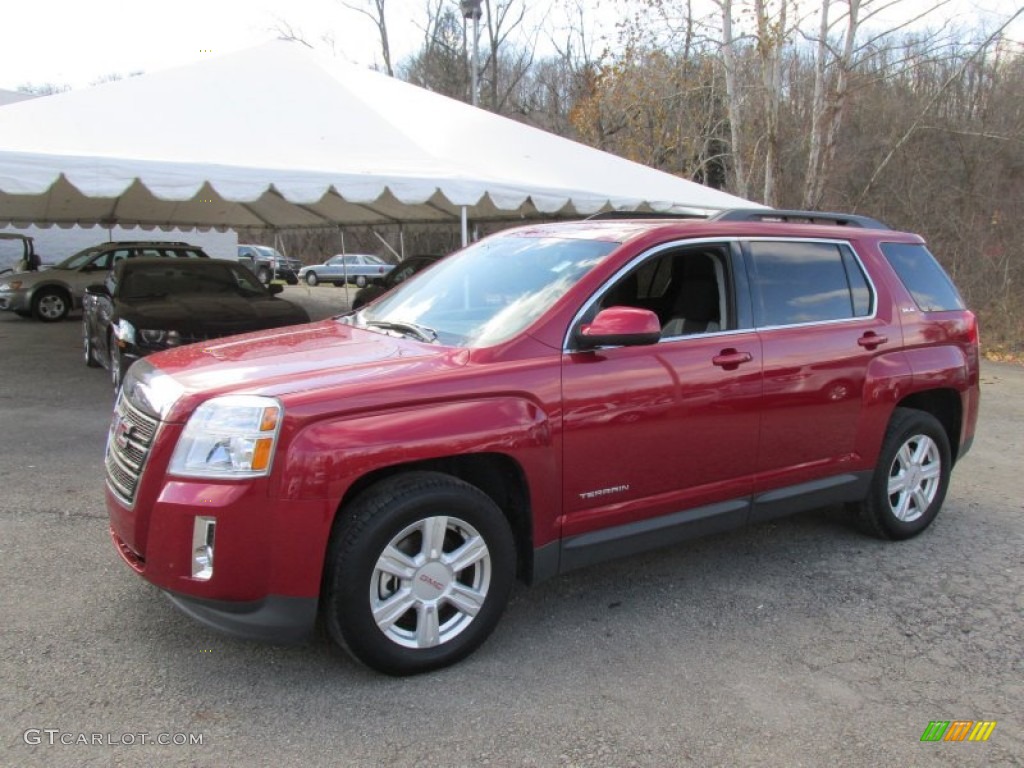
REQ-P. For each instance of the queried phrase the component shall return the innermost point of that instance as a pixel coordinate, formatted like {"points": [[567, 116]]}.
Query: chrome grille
{"points": [[128, 443]]}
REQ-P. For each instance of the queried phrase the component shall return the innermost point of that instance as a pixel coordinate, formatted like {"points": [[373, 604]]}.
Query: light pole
{"points": [[471, 10]]}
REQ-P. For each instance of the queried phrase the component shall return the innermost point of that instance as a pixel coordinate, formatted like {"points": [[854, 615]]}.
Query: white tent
{"points": [[276, 137]]}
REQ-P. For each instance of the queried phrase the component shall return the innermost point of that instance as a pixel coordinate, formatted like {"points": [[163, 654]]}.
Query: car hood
{"points": [[301, 359], [210, 316]]}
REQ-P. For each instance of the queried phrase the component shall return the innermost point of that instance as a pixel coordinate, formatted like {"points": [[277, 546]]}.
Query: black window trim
{"points": [[748, 260]]}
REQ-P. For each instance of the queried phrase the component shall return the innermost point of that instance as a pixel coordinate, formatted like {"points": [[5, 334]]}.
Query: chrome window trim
{"points": [[620, 273]]}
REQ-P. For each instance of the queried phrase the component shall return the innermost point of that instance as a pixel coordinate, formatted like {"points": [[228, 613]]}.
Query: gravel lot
{"points": [[795, 643]]}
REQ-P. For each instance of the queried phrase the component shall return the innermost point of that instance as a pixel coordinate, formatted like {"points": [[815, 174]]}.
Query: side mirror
{"points": [[620, 327], [275, 288], [97, 289]]}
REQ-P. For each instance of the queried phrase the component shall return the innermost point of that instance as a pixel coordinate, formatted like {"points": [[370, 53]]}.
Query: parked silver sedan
{"points": [[358, 268]]}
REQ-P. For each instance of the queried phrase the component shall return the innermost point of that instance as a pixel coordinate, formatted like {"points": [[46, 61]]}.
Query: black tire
{"points": [[291, 280], [51, 305], [910, 481], [311, 279], [88, 350], [264, 275], [396, 515], [360, 281]]}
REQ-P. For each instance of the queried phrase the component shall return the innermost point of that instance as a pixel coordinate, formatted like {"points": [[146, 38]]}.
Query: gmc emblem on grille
{"points": [[122, 433]]}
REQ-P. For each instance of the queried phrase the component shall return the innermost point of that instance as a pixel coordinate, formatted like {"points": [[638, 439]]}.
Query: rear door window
{"points": [[796, 282], [927, 282]]}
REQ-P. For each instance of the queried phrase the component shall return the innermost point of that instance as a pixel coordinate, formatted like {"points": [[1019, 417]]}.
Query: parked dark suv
{"points": [[546, 399], [268, 264]]}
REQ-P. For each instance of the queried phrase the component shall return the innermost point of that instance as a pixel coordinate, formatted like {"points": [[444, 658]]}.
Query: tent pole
{"points": [[344, 266], [465, 228]]}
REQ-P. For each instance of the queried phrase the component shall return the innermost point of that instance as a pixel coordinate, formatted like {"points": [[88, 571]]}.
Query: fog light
{"points": [[202, 547]]}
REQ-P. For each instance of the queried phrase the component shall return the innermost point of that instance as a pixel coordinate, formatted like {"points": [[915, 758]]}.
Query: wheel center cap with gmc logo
{"points": [[431, 581]]}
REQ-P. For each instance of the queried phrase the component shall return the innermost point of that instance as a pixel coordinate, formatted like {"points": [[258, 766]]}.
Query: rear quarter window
{"points": [[926, 280]]}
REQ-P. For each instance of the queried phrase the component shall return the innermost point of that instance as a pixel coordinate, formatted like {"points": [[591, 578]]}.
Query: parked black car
{"points": [[402, 272], [146, 305]]}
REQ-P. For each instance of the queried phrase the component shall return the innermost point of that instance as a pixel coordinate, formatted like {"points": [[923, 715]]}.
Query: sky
{"points": [[77, 42]]}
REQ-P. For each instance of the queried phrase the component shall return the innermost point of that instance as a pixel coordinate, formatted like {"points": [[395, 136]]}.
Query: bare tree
{"points": [[734, 99], [505, 66], [374, 11], [440, 64]]}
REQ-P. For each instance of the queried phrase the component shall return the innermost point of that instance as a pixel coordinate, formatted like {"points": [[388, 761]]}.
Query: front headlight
{"points": [[230, 437], [124, 332], [13, 285], [152, 337]]}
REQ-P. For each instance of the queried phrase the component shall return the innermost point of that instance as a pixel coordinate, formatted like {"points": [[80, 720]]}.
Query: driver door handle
{"points": [[731, 359]]}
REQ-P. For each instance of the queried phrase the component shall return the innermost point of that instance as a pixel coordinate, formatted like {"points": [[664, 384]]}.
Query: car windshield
{"points": [[78, 260], [158, 280], [486, 293]]}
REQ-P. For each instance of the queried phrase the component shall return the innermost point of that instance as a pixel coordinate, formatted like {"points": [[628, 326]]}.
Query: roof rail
{"points": [[617, 215], [799, 217]]}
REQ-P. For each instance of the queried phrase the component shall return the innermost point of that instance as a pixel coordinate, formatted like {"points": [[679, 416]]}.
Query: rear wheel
{"points": [[360, 281], [311, 278], [911, 478], [265, 275], [51, 305], [419, 573]]}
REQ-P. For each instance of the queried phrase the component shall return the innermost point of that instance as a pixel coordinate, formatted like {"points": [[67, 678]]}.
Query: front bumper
{"points": [[274, 619], [267, 556], [14, 301]]}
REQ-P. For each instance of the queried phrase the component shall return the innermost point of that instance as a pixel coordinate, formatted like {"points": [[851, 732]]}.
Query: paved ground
{"points": [[797, 643]]}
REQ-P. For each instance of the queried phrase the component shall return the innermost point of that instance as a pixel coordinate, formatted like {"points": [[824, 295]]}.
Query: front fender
{"points": [[325, 458]]}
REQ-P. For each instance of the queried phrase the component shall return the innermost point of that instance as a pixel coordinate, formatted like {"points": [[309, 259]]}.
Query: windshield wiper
{"points": [[421, 332]]}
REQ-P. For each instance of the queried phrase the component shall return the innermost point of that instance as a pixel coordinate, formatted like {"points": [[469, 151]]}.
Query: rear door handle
{"points": [[731, 359], [870, 340]]}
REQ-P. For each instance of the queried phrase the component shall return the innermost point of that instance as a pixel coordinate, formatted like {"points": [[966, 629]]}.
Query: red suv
{"points": [[548, 398]]}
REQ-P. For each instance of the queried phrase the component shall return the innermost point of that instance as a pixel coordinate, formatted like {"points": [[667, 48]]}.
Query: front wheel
{"points": [[419, 573], [51, 305], [265, 275], [910, 481], [311, 278]]}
